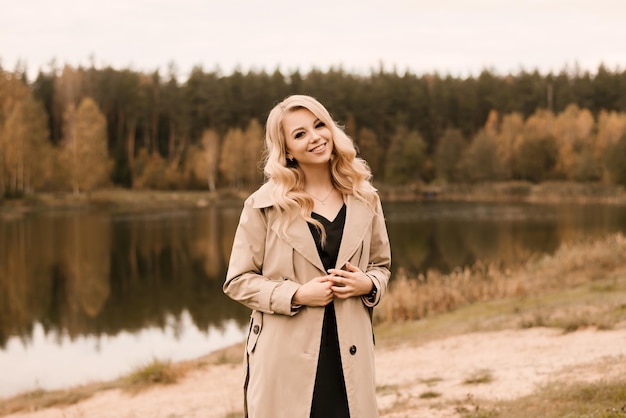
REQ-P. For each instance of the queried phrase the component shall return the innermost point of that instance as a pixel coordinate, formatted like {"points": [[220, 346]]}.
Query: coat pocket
{"points": [[256, 325]]}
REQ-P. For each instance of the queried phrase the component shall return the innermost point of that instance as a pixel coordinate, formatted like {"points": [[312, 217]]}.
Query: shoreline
{"points": [[142, 200], [440, 377]]}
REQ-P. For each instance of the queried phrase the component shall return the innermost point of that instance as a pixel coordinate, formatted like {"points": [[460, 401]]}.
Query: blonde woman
{"points": [[311, 258]]}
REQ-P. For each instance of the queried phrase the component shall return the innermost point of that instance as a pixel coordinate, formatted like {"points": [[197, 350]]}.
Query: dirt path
{"points": [[504, 365]]}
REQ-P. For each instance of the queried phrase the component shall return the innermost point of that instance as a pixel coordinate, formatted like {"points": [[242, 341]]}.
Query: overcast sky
{"points": [[457, 37]]}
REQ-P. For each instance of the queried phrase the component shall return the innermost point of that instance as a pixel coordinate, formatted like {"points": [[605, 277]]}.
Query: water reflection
{"points": [[443, 236], [90, 281], [53, 360]]}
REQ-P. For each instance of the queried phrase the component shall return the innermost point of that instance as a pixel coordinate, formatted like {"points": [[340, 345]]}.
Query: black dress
{"points": [[329, 395]]}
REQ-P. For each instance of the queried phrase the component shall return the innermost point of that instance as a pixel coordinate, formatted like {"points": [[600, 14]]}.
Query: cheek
{"points": [[295, 146], [289, 145]]}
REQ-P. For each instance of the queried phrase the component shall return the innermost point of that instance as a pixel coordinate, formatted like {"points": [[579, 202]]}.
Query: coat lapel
{"points": [[297, 234], [358, 224], [358, 221]]}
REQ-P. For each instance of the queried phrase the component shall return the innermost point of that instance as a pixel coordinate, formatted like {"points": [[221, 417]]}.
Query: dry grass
{"points": [[434, 293], [155, 372], [479, 377], [40, 399], [605, 399]]}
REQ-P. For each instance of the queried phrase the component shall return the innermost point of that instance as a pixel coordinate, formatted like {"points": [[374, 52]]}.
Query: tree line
{"points": [[78, 129]]}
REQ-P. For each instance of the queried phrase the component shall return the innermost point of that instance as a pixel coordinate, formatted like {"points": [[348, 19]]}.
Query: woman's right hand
{"points": [[316, 292]]}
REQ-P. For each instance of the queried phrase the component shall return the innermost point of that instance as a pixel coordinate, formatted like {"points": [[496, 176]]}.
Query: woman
{"points": [[311, 258]]}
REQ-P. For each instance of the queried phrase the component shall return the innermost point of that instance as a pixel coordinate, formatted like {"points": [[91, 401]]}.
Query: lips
{"points": [[318, 148]]}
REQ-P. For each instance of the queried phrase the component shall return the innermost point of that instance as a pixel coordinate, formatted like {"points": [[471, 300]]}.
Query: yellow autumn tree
{"points": [[611, 127], [25, 147], [201, 161], [539, 123], [573, 130], [232, 158], [84, 155], [509, 134], [12, 92], [251, 154]]}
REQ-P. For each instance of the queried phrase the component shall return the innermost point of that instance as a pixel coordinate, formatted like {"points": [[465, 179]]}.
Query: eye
{"points": [[319, 124], [299, 135]]}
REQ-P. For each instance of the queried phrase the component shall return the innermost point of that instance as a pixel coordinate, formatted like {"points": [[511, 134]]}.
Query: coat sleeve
{"points": [[379, 265], [245, 282]]}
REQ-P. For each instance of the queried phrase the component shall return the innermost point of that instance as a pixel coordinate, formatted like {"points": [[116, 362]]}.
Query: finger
{"points": [[352, 268], [338, 281], [341, 292]]}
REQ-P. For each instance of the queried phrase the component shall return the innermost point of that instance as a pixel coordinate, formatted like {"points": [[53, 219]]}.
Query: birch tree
{"points": [[84, 153], [201, 161], [231, 158], [211, 152]]}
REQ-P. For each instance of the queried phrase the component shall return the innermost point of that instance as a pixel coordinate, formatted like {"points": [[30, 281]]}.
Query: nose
{"points": [[315, 136]]}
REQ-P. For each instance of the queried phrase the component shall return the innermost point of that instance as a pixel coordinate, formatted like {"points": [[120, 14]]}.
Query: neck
{"points": [[316, 178]]}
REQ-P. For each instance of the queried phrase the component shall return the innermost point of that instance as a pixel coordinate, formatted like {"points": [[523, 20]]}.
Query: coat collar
{"points": [[297, 234]]}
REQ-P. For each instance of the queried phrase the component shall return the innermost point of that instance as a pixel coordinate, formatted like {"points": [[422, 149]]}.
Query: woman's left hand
{"points": [[350, 282]]}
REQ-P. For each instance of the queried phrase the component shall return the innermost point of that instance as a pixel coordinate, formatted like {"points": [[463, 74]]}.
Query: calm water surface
{"points": [[90, 295]]}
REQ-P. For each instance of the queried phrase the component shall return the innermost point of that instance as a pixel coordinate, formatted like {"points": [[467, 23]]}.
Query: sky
{"points": [[455, 37]]}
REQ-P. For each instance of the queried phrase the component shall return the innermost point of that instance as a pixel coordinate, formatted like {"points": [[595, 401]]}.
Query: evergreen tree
{"points": [[616, 160], [480, 161], [450, 148], [536, 158], [406, 157], [369, 150]]}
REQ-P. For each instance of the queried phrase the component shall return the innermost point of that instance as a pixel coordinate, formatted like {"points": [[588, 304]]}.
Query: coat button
{"points": [[353, 350], [256, 329]]}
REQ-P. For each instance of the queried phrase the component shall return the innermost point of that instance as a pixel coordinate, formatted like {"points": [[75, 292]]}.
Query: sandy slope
{"points": [[517, 360]]}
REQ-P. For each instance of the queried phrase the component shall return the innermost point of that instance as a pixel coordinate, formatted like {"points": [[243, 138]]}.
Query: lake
{"points": [[90, 295]]}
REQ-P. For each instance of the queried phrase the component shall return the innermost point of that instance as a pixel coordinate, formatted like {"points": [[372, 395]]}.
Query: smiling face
{"points": [[309, 141]]}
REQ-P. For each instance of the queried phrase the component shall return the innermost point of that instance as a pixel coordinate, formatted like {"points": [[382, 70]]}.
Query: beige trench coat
{"points": [[267, 265]]}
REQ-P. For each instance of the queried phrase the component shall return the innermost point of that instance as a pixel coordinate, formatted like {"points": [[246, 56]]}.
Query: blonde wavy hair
{"points": [[350, 174]]}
